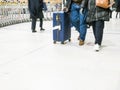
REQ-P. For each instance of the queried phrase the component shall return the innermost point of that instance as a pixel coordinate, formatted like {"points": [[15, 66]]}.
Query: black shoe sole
{"points": [[34, 31]]}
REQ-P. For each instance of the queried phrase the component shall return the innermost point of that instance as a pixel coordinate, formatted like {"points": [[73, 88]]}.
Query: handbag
{"points": [[102, 3]]}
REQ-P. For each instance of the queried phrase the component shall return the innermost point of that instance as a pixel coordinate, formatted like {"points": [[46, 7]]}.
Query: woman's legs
{"points": [[98, 27]]}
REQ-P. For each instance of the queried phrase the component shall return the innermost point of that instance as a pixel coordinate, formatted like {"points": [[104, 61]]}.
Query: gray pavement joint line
{"points": [[112, 33], [22, 56], [108, 33]]}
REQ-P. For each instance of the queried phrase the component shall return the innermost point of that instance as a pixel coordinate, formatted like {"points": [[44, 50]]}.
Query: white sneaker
{"points": [[97, 47]]}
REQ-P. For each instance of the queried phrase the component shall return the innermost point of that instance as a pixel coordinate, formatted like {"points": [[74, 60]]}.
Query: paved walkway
{"points": [[30, 61]]}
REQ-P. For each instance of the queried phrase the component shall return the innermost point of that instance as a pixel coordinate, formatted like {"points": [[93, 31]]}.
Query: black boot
{"points": [[42, 29], [34, 31]]}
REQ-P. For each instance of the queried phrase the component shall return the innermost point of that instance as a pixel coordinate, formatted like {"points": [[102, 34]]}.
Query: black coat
{"points": [[95, 13], [35, 8], [117, 5]]}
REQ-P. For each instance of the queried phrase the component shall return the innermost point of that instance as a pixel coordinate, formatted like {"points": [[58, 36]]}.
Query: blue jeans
{"points": [[79, 20]]}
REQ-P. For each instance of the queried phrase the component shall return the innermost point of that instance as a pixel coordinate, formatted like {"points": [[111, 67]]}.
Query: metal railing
{"points": [[12, 13]]}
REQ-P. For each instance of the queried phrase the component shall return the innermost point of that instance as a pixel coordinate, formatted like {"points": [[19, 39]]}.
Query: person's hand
{"points": [[111, 4], [65, 9], [81, 10]]}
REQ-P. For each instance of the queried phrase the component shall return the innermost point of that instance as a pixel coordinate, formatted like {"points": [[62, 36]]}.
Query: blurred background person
{"points": [[36, 11], [117, 8]]}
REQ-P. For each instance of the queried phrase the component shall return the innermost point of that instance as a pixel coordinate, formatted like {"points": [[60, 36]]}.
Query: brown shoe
{"points": [[81, 42]]}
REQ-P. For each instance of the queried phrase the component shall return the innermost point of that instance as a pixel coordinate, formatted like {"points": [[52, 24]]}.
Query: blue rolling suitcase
{"points": [[61, 27]]}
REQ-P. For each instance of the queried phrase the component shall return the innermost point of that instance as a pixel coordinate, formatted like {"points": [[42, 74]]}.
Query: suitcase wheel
{"points": [[62, 42], [69, 40], [54, 42]]}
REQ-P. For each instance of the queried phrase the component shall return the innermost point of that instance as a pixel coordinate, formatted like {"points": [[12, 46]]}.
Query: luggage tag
{"points": [[58, 23]]}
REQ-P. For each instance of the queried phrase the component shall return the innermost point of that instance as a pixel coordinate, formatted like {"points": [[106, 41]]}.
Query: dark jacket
{"points": [[69, 2], [117, 5], [35, 8], [95, 13]]}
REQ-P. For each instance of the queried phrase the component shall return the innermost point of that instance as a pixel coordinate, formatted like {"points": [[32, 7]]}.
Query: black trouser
{"points": [[117, 14], [98, 27], [34, 23]]}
